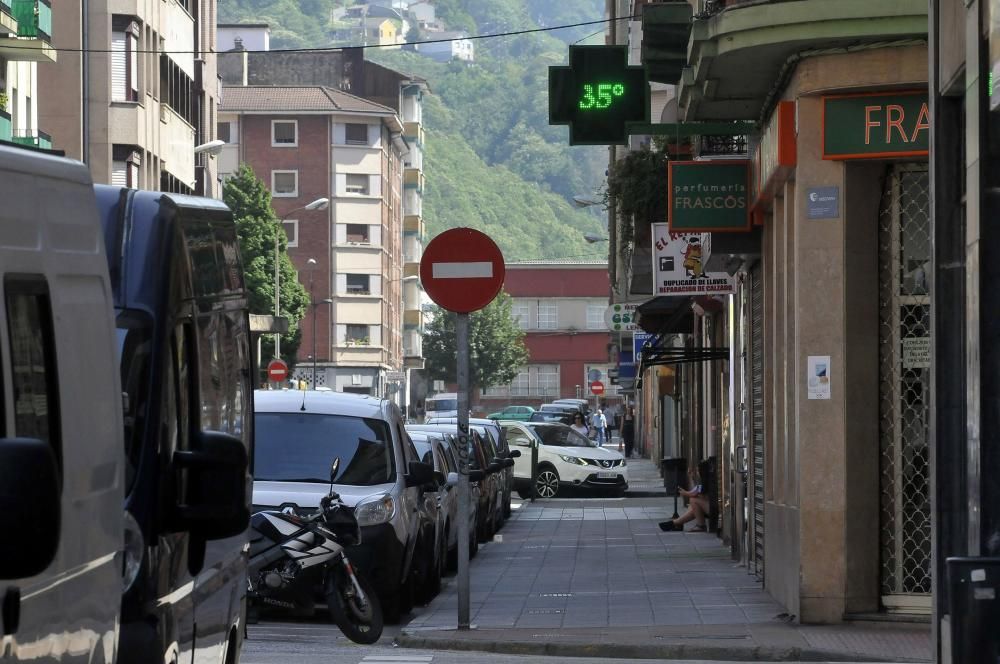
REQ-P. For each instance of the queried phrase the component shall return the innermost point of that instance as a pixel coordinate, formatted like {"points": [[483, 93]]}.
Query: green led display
{"points": [[598, 95]]}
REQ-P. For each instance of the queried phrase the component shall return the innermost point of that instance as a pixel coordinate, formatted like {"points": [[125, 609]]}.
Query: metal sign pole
{"points": [[462, 348]]}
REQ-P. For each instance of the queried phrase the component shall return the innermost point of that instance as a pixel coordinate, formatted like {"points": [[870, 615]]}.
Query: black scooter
{"points": [[291, 555]]}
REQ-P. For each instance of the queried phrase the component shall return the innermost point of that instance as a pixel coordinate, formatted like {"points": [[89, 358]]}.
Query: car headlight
{"points": [[135, 545], [571, 459], [375, 511]]}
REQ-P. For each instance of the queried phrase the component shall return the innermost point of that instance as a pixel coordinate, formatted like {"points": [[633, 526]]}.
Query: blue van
{"points": [[184, 358]]}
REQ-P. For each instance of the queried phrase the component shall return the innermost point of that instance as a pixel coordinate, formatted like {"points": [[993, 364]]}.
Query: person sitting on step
{"points": [[698, 507]]}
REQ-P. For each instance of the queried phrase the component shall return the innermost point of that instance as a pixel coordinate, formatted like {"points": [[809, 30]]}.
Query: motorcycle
{"points": [[292, 554]]}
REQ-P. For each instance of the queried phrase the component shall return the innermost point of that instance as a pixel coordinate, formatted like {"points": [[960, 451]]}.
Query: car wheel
{"points": [[524, 493], [547, 483]]}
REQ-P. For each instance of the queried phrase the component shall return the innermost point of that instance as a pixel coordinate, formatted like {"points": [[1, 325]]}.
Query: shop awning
{"points": [[666, 314], [656, 353]]}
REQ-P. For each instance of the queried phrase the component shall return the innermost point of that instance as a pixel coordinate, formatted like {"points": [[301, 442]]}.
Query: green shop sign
{"points": [[708, 196], [872, 126]]}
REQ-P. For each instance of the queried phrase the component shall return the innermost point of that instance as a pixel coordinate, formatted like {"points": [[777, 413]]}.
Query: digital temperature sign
{"points": [[598, 95]]}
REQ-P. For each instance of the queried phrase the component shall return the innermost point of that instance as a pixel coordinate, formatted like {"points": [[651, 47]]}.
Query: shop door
{"points": [[904, 388], [755, 487]]}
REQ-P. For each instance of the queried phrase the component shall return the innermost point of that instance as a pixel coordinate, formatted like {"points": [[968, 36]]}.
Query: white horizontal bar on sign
{"points": [[482, 270]]}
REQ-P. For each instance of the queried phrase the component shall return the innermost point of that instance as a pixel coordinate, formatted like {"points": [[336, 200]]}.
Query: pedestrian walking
{"points": [[601, 426], [628, 430]]}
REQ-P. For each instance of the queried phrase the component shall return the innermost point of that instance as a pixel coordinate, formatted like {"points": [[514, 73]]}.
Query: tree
{"points": [[257, 225], [496, 345]]}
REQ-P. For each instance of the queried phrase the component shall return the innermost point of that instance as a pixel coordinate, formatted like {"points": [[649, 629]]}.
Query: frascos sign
{"points": [[872, 126], [708, 196]]}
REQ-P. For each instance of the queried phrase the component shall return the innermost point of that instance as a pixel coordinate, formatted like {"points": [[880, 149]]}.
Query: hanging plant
{"points": [[4, 100], [638, 185]]}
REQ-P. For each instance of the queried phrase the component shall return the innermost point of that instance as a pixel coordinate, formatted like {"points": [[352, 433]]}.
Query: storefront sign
{"points": [[639, 339], [818, 376], [620, 317], [678, 265], [708, 196], [823, 202], [872, 126], [774, 158], [917, 353]]}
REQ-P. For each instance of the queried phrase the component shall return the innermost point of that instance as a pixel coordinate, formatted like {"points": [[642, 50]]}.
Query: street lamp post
{"points": [[318, 204]]}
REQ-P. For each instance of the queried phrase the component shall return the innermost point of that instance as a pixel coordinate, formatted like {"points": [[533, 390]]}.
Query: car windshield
{"points": [[441, 404], [299, 447], [562, 436]]}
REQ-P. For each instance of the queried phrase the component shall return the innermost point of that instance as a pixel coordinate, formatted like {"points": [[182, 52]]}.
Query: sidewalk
{"points": [[644, 479], [598, 578]]}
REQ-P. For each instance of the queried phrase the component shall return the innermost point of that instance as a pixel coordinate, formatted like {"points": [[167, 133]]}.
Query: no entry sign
{"points": [[277, 371], [462, 270], [597, 387]]}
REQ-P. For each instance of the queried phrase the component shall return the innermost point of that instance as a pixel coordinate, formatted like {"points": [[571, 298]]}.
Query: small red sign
{"points": [[597, 387], [462, 270], [277, 371]]}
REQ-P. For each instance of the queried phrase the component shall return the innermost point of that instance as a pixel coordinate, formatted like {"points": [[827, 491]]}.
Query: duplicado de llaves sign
{"points": [[872, 126]]}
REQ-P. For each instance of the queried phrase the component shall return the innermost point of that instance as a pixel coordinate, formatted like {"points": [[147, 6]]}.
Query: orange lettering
{"points": [[894, 122], [869, 123], [923, 123]]}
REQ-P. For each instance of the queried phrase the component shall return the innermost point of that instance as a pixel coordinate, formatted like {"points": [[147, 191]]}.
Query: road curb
{"points": [[614, 651]]}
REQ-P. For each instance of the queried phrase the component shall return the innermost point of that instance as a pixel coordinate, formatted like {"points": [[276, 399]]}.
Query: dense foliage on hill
{"points": [[492, 160]]}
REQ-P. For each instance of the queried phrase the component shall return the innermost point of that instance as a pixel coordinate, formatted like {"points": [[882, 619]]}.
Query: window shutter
{"points": [[133, 71], [376, 335], [375, 186], [376, 236], [341, 231], [341, 284], [119, 67], [133, 175], [375, 284], [341, 331], [119, 174]]}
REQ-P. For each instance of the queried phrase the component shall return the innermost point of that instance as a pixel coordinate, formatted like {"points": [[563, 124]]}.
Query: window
{"points": [[548, 316], [358, 184], [124, 59], [177, 90], [357, 335], [292, 231], [284, 133], [521, 312], [356, 134], [223, 131], [358, 233], [595, 316], [125, 166], [33, 360], [520, 386], [358, 284], [285, 184], [547, 380]]}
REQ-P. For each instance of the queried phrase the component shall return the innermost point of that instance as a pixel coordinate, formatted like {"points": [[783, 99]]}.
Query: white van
{"points": [[441, 405], [61, 446]]}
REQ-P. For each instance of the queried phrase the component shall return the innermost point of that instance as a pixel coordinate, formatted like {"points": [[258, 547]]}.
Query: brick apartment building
{"points": [[561, 306]]}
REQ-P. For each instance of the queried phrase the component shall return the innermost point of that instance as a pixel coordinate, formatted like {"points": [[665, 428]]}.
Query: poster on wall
{"points": [[678, 265], [818, 376]]}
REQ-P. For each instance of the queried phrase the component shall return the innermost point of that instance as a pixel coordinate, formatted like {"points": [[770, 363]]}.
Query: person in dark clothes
{"points": [[628, 430]]}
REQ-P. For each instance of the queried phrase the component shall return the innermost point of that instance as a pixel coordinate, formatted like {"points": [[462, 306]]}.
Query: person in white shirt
{"points": [[601, 425], [579, 425]]}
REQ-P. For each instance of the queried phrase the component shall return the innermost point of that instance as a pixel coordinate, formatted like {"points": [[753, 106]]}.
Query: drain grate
{"points": [[556, 595], [545, 611]]}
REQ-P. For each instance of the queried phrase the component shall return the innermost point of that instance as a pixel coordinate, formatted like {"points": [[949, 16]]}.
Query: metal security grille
{"points": [[904, 376], [757, 418]]}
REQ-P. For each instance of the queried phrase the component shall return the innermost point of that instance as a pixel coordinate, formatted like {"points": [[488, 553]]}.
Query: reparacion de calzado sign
{"points": [[678, 265]]}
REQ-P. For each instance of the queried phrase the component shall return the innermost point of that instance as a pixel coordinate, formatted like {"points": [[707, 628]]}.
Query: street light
{"points": [[318, 204], [212, 147], [591, 238]]}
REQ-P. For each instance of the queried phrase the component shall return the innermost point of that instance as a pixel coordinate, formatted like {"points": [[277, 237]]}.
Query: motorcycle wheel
{"points": [[360, 622]]}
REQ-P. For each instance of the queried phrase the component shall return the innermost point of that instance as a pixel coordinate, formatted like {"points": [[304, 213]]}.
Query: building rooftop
{"points": [[295, 98]]}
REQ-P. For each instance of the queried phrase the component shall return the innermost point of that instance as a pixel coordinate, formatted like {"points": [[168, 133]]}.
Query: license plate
{"points": [[607, 474]]}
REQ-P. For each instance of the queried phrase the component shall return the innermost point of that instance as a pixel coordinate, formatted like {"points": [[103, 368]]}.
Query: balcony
{"points": [[34, 31], [8, 24], [413, 179], [413, 319], [413, 131], [413, 224], [33, 139]]}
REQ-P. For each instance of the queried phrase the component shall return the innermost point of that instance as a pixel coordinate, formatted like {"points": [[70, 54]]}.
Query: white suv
{"points": [[565, 458]]}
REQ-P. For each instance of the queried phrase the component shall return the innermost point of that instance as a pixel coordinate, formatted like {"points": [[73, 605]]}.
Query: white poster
{"points": [[678, 265], [818, 378]]}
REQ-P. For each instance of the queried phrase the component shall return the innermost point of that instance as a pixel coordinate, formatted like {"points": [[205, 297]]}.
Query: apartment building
{"points": [[560, 306], [143, 96], [25, 41], [347, 71], [311, 142]]}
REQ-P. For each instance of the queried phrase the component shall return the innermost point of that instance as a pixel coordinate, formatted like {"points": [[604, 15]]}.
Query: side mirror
{"points": [[495, 466], [452, 479], [476, 475], [30, 507], [211, 484], [419, 473], [514, 454]]}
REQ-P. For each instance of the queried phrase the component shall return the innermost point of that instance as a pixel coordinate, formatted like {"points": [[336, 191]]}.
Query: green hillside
{"points": [[492, 161]]}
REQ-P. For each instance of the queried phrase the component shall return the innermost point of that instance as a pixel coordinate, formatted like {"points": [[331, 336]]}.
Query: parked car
{"points": [[582, 404], [516, 413], [494, 433], [490, 507], [184, 359], [441, 405], [381, 476], [571, 408], [565, 458], [62, 457], [560, 416]]}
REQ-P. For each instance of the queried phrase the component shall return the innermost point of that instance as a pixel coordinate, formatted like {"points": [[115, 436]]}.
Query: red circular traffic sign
{"points": [[597, 387], [277, 370], [462, 270]]}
